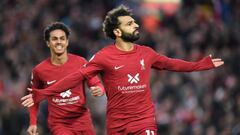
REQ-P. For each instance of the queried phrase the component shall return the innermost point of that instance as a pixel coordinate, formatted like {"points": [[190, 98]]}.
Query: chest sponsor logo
{"points": [[51, 82], [133, 79], [66, 93], [118, 67], [66, 99]]}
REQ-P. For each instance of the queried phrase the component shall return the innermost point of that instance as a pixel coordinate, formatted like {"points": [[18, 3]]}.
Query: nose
{"points": [[136, 25], [59, 40]]}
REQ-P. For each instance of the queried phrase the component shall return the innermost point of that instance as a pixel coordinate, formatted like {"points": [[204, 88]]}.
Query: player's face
{"points": [[58, 42], [129, 29]]}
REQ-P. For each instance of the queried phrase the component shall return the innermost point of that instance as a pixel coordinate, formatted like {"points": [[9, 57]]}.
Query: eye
{"points": [[129, 23], [63, 38], [53, 38]]}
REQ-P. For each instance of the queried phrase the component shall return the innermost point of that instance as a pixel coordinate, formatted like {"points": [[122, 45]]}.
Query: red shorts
{"points": [[150, 129], [60, 130]]}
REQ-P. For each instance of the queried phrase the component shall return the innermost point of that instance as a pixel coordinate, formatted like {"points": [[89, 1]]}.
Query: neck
{"points": [[59, 59], [124, 46]]}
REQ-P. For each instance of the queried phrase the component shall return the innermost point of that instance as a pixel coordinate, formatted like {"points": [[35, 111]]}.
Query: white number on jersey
{"points": [[150, 132]]}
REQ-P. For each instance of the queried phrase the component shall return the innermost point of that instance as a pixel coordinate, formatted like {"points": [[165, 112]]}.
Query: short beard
{"points": [[127, 37]]}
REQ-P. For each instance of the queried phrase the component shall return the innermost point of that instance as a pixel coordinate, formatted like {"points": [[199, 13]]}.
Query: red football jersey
{"points": [[68, 107], [126, 78]]}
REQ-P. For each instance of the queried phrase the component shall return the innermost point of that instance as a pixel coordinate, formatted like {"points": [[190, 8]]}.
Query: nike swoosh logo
{"points": [[50, 82], [118, 67]]}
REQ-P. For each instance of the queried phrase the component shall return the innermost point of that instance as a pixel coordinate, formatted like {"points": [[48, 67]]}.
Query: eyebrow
{"points": [[131, 21], [58, 37]]}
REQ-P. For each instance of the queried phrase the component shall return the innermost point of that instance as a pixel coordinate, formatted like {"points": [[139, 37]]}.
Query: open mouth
{"points": [[59, 47], [136, 31]]}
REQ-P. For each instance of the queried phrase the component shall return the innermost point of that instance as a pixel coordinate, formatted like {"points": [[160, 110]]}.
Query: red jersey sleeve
{"points": [[94, 81], [94, 66], [66, 83], [35, 83], [165, 63]]}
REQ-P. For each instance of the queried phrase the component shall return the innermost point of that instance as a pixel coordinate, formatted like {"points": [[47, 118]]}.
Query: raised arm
{"points": [[165, 63]]}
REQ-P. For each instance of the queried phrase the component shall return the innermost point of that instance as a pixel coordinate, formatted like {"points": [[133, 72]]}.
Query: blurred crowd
{"points": [[198, 103]]}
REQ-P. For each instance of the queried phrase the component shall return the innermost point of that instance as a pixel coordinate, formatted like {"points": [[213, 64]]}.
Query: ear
{"points": [[117, 32], [48, 43], [67, 41]]}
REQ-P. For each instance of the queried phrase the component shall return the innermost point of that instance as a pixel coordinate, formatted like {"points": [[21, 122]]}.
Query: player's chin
{"points": [[59, 52]]}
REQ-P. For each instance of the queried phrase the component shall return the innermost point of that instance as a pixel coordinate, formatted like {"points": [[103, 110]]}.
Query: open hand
{"points": [[217, 61], [27, 101], [32, 130]]}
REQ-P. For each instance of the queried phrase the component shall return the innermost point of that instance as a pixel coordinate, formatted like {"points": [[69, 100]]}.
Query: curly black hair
{"points": [[111, 20], [55, 26]]}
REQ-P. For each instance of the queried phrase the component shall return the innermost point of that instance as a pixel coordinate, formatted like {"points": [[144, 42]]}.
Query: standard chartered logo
{"points": [[133, 79]]}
